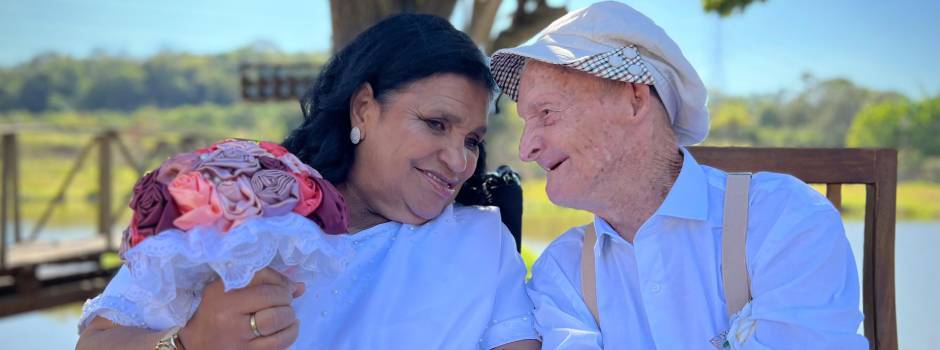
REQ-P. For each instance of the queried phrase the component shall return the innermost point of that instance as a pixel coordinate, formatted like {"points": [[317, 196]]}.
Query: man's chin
{"points": [[560, 196]]}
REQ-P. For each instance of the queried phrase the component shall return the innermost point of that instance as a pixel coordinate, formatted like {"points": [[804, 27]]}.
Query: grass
{"points": [[915, 201]]}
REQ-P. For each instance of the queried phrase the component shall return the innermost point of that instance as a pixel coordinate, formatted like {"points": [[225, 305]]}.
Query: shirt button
{"points": [[655, 287], [615, 60]]}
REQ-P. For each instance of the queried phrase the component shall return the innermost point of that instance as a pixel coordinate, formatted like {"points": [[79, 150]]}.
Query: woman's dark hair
{"points": [[397, 51]]}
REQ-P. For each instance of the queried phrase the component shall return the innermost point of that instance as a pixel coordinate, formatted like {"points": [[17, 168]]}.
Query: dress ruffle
{"points": [[168, 271]]}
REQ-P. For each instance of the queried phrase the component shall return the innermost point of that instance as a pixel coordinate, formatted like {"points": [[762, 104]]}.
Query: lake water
{"points": [[917, 287]]}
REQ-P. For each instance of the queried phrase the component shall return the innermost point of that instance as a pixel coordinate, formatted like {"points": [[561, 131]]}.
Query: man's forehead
{"points": [[541, 76]]}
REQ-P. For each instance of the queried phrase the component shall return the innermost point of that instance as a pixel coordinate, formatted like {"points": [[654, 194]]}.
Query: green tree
{"points": [[881, 124], [732, 123], [925, 127]]}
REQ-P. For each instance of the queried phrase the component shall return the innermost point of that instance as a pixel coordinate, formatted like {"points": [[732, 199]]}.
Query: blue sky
{"points": [[886, 45]]}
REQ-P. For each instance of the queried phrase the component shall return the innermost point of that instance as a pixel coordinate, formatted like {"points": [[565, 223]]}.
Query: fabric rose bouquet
{"points": [[226, 211]]}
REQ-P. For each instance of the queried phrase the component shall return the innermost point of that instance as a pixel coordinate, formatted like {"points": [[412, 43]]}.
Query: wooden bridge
{"points": [[39, 271]]}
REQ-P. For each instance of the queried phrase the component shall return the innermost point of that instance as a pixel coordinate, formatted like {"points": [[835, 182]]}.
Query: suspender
{"points": [[734, 275], [588, 275], [736, 282]]}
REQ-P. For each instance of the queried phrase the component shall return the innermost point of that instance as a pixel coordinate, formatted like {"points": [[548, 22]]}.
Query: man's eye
{"points": [[549, 117], [434, 124]]}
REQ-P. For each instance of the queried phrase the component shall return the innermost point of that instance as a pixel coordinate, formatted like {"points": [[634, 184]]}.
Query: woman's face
{"points": [[419, 144]]}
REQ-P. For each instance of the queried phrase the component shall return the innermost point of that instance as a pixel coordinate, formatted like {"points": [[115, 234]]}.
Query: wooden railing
{"points": [[22, 288], [874, 168]]}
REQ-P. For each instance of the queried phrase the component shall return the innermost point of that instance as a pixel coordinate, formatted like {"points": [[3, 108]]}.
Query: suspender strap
{"points": [[588, 275], [736, 282], [735, 279]]}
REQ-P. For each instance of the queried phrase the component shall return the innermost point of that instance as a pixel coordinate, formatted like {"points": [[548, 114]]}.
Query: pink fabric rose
{"points": [[179, 164], [277, 190], [196, 199], [310, 195], [275, 149], [238, 201]]}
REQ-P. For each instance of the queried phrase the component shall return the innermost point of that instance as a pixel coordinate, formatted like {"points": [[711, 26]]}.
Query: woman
{"points": [[396, 120]]}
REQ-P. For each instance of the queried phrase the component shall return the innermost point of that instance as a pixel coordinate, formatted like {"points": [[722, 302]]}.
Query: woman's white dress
{"points": [[455, 282]]}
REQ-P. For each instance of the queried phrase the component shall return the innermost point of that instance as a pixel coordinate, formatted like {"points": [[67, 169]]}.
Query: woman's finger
{"points": [[273, 320], [259, 297], [279, 340], [269, 276]]}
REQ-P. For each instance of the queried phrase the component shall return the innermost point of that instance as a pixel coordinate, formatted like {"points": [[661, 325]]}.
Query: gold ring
{"points": [[254, 325]]}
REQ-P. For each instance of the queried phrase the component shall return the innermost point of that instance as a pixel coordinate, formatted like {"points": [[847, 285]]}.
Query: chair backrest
{"points": [[877, 170]]}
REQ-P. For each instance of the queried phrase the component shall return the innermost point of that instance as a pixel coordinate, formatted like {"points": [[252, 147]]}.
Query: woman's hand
{"points": [[222, 320]]}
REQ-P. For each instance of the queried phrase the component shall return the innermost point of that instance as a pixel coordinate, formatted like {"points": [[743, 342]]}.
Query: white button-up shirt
{"points": [[664, 290]]}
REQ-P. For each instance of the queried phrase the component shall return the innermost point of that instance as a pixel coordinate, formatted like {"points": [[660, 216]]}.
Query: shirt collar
{"points": [[687, 199]]}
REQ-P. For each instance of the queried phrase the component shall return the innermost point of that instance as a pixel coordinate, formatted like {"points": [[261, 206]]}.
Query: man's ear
{"points": [[642, 99], [363, 107]]}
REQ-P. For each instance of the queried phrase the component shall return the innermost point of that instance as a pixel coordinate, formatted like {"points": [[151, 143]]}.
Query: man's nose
{"points": [[531, 145]]}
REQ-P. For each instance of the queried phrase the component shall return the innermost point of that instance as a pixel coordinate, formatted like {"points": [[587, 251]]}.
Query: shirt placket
{"points": [[653, 285]]}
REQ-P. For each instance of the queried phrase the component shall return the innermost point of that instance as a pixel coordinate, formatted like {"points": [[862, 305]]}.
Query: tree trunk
{"points": [[351, 17], [481, 22], [526, 24]]}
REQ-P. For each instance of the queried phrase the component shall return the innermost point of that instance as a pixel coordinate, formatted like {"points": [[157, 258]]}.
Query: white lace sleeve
{"points": [[161, 284]]}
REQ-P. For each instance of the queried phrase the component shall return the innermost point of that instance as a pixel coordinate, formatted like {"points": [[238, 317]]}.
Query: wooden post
{"points": [[104, 185], [878, 265], [4, 200], [834, 193]]}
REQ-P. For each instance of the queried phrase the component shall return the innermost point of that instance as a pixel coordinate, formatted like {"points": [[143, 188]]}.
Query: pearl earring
{"points": [[355, 135]]}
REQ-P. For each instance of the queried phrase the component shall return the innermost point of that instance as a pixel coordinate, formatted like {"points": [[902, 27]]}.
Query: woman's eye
{"points": [[434, 124], [472, 143]]}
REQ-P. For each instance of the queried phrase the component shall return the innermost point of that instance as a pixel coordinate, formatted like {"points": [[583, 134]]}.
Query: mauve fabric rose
{"points": [[209, 149], [154, 209], [298, 167], [250, 147], [310, 195], [238, 201], [269, 163], [277, 190], [179, 164], [196, 200], [275, 149], [332, 214], [227, 163]]}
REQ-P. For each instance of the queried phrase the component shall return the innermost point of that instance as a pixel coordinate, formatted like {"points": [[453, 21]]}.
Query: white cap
{"points": [[613, 41]]}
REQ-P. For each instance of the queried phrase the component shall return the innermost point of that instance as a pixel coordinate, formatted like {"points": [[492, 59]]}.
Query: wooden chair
{"points": [[877, 170]]}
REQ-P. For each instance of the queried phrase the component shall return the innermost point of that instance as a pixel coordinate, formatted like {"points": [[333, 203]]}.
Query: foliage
{"points": [[52, 82], [834, 113], [727, 7]]}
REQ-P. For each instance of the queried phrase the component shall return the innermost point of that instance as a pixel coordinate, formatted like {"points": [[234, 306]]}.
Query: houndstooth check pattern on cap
{"points": [[625, 64], [506, 71]]}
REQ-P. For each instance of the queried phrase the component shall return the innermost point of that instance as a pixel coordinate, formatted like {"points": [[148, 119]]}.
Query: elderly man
{"points": [[680, 255]]}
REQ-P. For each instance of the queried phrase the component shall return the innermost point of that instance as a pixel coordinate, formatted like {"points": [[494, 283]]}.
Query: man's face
{"points": [[581, 130]]}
